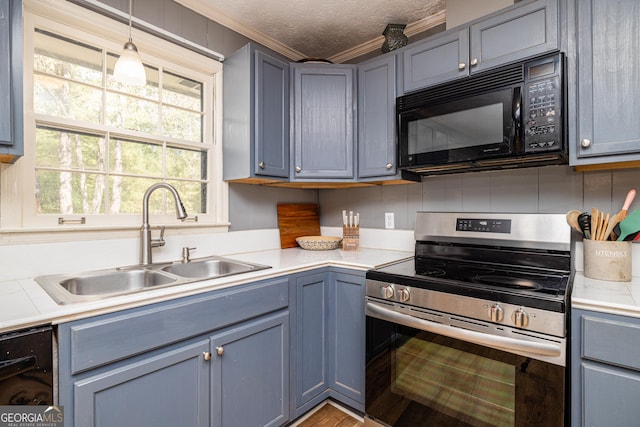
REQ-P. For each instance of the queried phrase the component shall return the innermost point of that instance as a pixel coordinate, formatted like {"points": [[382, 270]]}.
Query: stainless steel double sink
{"points": [[100, 284]]}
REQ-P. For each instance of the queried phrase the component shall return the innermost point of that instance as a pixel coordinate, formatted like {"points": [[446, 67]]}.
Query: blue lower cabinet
{"points": [[327, 330], [166, 389], [216, 359], [347, 338], [605, 369], [250, 374]]}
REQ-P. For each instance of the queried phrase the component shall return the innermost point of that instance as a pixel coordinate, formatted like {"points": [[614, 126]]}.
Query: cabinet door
{"points": [[517, 33], [272, 116], [250, 374], [610, 396], [11, 106], [323, 128], [376, 117], [607, 80], [437, 60], [347, 337], [311, 351], [168, 389]]}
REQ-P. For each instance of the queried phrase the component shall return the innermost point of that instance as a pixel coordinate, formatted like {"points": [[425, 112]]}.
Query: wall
{"points": [[551, 189]]}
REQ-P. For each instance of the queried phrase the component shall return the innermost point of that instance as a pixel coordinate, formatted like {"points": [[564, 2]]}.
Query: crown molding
{"points": [[362, 49], [411, 30]]}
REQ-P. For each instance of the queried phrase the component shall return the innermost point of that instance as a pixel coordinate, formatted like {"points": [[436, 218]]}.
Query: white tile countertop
{"points": [[23, 303], [622, 298]]}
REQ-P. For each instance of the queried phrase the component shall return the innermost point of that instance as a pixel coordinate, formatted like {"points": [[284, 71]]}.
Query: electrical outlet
{"points": [[389, 221]]}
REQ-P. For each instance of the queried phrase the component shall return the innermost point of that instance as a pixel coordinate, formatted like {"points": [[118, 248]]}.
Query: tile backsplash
{"points": [[551, 189]]}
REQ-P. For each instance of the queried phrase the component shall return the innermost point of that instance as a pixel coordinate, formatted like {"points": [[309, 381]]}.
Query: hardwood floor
{"points": [[330, 416]]}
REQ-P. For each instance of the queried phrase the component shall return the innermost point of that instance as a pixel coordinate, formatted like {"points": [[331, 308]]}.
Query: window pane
{"points": [[181, 92], [63, 98], [69, 150], [193, 196], [132, 113], [126, 195], [149, 91], [69, 193], [187, 164], [181, 124], [135, 158], [60, 56]]}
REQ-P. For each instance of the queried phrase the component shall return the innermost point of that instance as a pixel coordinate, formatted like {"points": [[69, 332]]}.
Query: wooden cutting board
{"points": [[296, 220]]}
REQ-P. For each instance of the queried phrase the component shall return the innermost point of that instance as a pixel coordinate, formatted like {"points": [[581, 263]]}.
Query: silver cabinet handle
{"points": [[219, 350], [462, 66], [261, 165], [498, 342], [474, 62], [298, 169], [585, 143], [207, 355], [389, 166]]}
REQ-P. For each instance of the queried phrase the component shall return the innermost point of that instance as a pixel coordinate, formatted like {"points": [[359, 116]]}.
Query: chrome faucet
{"points": [[146, 242]]}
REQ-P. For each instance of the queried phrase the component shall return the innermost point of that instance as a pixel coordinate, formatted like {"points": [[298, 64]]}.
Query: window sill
{"points": [[68, 233]]}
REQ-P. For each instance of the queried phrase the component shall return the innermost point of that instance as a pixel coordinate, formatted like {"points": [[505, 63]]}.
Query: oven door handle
{"points": [[493, 341]]}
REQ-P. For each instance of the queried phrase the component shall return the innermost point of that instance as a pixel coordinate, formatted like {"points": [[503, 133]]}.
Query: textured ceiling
{"points": [[316, 28]]}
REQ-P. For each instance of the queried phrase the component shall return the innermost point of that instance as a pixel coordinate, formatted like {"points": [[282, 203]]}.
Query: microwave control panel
{"points": [[542, 105]]}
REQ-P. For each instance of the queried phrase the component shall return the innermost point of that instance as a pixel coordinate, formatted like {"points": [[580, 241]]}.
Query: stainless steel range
{"points": [[473, 330]]}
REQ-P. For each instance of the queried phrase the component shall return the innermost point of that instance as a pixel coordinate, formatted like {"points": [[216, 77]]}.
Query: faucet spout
{"points": [[146, 242]]}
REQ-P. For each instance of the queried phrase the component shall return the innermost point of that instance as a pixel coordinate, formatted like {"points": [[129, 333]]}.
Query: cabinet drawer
{"points": [[611, 341], [110, 338]]}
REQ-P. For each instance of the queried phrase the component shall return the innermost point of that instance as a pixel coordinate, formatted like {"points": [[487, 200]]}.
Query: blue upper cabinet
{"points": [[11, 103], [256, 116], [323, 128], [607, 82], [525, 29], [377, 117]]}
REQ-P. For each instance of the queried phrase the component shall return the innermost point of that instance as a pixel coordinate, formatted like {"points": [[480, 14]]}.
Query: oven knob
{"points": [[520, 318], [496, 313], [387, 292], [403, 294]]}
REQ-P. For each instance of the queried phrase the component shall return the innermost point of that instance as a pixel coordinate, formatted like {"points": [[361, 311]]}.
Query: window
{"points": [[93, 146]]}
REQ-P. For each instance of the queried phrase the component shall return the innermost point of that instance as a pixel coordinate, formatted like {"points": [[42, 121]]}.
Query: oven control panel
{"points": [[484, 225], [499, 313]]}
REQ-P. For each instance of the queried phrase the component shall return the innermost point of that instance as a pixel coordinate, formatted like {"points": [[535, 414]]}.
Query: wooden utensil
{"points": [[595, 223], [609, 228], [602, 225], [572, 220]]}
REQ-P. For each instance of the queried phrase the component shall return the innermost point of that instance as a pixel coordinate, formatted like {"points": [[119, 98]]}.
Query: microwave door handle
{"points": [[493, 341], [517, 104]]}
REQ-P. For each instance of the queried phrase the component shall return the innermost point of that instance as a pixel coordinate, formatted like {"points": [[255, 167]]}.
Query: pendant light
{"points": [[129, 69]]}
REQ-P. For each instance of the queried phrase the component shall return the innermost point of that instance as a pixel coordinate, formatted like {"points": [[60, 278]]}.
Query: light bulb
{"points": [[129, 69]]}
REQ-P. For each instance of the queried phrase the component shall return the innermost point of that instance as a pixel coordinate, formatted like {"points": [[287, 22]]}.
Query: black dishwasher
{"points": [[26, 367]]}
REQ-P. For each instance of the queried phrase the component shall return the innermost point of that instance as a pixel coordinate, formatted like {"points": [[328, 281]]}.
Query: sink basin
{"points": [[100, 284], [116, 281], [209, 268]]}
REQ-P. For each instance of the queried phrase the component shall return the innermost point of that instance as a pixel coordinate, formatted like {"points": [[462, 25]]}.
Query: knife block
{"points": [[350, 238]]}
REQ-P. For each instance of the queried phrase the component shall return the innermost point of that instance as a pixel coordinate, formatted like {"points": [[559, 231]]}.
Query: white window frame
{"points": [[17, 209]]}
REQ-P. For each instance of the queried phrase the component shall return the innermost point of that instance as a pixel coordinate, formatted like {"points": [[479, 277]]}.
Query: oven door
{"points": [[421, 378], [476, 127]]}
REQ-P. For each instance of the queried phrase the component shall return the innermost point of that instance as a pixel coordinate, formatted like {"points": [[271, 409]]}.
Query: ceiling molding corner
{"points": [[371, 45]]}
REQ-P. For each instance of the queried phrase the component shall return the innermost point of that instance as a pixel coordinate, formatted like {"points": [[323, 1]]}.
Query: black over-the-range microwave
{"points": [[512, 116]]}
